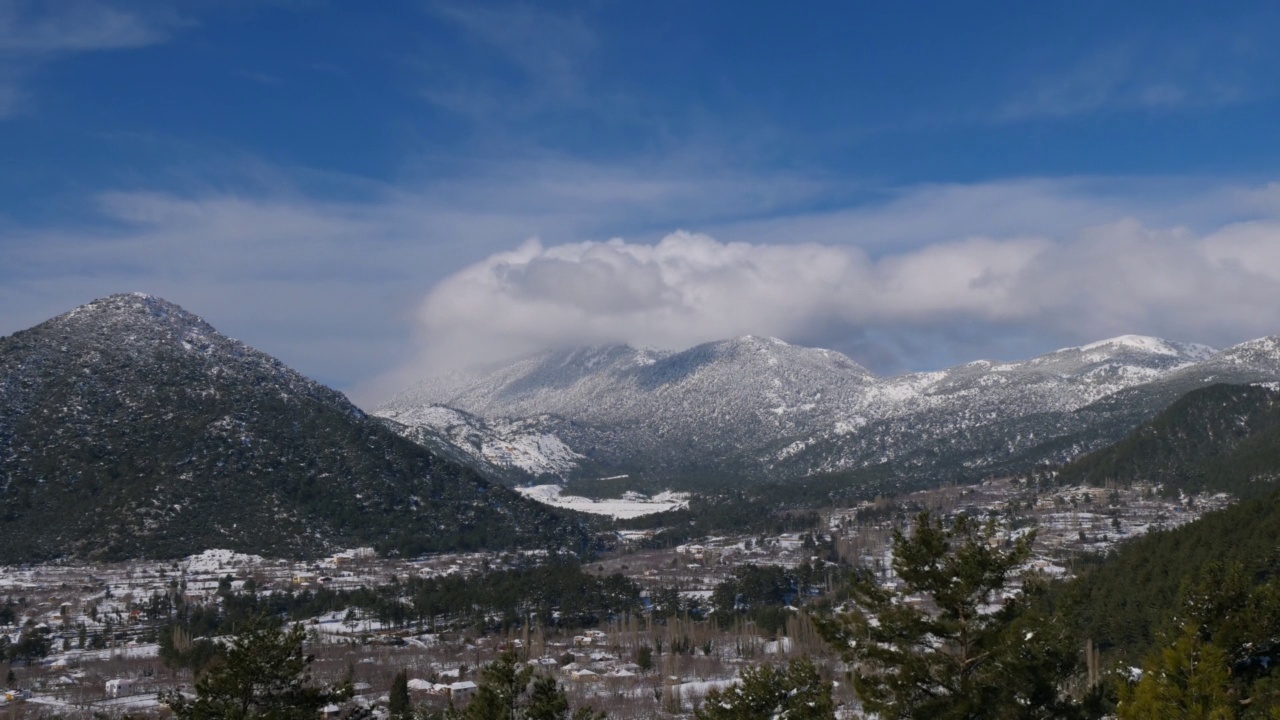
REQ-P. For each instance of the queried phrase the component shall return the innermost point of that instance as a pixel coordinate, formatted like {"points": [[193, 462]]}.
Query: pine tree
{"points": [[502, 682], [1189, 679], [644, 658], [547, 701], [944, 644], [797, 693], [264, 674], [400, 706], [504, 694], [1217, 664]]}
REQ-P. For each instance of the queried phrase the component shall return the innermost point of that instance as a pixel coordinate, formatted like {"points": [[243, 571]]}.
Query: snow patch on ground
{"points": [[214, 560], [630, 505]]}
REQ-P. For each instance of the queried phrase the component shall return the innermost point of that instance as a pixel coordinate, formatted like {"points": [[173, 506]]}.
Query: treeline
{"points": [[558, 593], [265, 672], [738, 510], [759, 595]]}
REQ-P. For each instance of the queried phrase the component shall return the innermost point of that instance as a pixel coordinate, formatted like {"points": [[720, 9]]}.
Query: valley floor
{"points": [[104, 621]]}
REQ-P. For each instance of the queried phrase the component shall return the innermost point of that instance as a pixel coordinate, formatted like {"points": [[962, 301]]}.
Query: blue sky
{"points": [[354, 186]]}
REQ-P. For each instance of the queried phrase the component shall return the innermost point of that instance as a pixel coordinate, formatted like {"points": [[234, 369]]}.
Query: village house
{"points": [[120, 687], [463, 691]]}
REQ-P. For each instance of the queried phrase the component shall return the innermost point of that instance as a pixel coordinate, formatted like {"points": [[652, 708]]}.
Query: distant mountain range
{"points": [[759, 408], [131, 428]]}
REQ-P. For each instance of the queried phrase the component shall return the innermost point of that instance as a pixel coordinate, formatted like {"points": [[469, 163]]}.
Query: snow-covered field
{"points": [[630, 505]]}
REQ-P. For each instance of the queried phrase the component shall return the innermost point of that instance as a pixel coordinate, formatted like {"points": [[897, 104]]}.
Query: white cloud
{"points": [[1251, 248], [327, 285], [923, 277], [688, 288]]}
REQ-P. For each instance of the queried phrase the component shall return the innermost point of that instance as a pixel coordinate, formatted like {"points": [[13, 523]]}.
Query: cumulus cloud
{"points": [[1114, 278]]}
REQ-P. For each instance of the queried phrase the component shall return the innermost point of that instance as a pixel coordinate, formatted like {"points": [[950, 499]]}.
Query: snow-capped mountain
{"points": [[498, 447], [761, 407], [131, 428], [615, 402]]}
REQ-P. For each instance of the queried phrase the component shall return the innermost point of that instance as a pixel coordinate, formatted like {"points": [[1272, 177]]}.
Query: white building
{"points": [[461, 691], [119, 687]]}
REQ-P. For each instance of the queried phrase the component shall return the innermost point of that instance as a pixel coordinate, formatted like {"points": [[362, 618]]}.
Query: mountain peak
{"points": [[126, 301], [133, 309], [1148, 345], [1137, 342], [757, 340]]}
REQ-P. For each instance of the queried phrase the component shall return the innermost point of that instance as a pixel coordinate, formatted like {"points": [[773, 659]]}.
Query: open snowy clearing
{"points": [[630, 505]]}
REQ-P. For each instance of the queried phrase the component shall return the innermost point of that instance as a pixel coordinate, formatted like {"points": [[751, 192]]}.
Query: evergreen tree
{"points": [[504, 694], [1218, 663], [400, 706], [939, 646], [264, 674], [547, 701], [33, 645], [765, 693], [502, 683], [1188, 679]]}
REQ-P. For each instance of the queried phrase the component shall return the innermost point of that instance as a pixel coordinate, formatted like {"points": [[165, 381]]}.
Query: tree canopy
{"points": [[264, 674], [954, 637], [766, 693], [509, 691]]}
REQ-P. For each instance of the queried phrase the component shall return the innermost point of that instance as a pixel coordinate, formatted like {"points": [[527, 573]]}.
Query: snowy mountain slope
{"points": [[502, 444], [761, 407], [601, 385], [131, 428], [614, 402]]}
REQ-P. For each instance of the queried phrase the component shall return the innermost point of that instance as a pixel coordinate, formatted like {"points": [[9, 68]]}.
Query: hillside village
{"points": [[85, 639]]}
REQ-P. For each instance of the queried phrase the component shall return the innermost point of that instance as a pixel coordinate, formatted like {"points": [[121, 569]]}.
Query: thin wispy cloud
{"points": [[548, 47], [35, 29], [548, 52], [34, 34], [11, 93], [1139, 76]]}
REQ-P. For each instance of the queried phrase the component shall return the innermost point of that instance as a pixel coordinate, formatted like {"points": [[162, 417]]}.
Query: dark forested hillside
{"points": [[130, 428], [1218, 438], [1124, 602]]}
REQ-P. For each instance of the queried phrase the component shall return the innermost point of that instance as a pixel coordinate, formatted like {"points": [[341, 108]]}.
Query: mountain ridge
{"points": [[800, 411]]}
